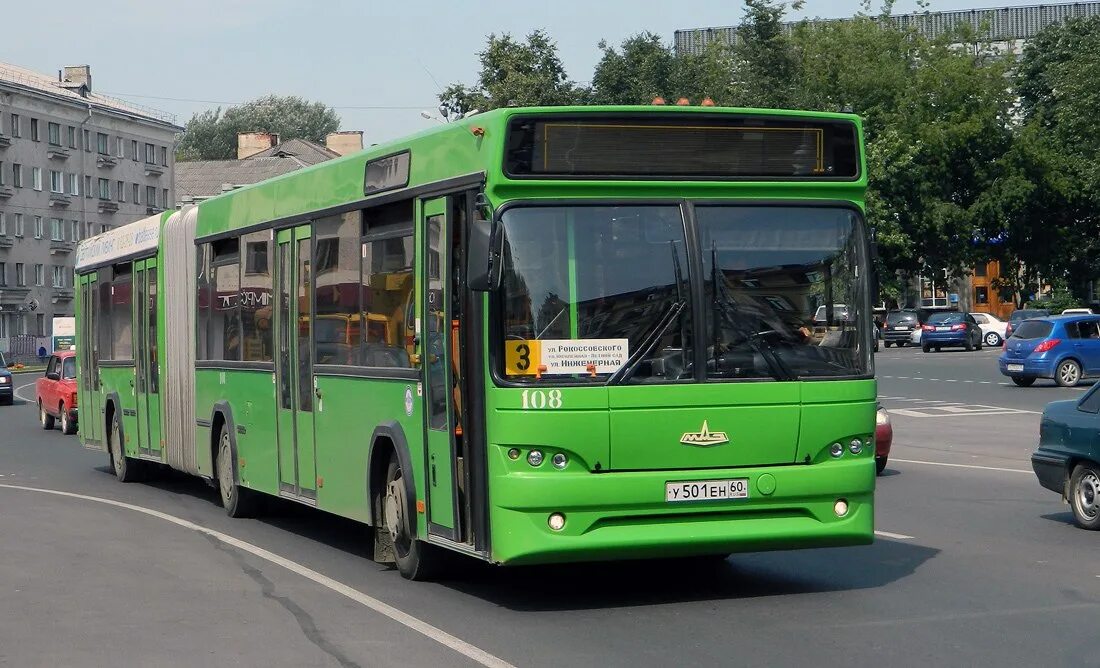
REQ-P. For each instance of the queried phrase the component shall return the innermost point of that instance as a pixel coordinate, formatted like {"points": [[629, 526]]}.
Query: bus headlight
{"points": [[556, 521], [836, 449], [840, 507], [534, 458], [856, 446], [559, 460]]}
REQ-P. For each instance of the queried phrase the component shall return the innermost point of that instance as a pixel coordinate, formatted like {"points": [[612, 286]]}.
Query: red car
{"points": [[56, 392], [884, 437]]}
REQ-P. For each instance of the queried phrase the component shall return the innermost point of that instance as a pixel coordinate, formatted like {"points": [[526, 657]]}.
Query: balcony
{"points": [[106, 206], [153, 170], [60, 200], [6, 192], [106, 161], [57, 153], [5, 141], [61, 295], [61, 246], [13, 293], [6, 242]]}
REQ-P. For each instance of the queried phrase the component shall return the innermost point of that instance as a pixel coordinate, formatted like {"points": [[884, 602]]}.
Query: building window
{"points": [[57, 229], [18, 224], [150, 196], [39, 227], [980, 270], [3, 225], [134, 150], [3, 273], [87, 186], [20, 274], [40, 323], [981, 295], [57, 182], [55, 133], [58, 276], [136, 191], [150, 155], [76, 230], [88, 141], [72, 137], [16, 126], [39, 275], [164, 198], [74, 184], [104, 189], [101, 144], [120, 147], [34, 130], [120, 190], [164, 156], [36, 178], [17, 175], [1, 172]]}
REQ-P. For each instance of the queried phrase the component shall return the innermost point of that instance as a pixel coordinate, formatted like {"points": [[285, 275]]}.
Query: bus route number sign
{"points": [[530, 357]]}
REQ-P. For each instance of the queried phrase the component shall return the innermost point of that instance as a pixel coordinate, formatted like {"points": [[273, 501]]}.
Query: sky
{"points": [[378, 63]]}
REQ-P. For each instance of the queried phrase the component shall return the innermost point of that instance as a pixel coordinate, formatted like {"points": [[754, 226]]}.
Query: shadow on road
{"points": [[1062, 518]]}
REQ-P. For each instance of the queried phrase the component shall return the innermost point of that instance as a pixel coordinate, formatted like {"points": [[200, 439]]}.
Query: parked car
{"points": [[1067, 460], [1077, 311], [993, 328], [55, 392], [7, 392], [1063, 347], [914, 340], [884, 438], [950, 328], [899, 326], [1019, 315]]}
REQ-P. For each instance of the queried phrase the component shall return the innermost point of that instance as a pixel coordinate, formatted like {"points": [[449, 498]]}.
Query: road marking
{"points": [[901, 536], [960, 466], [20, 396], [434, 633]]}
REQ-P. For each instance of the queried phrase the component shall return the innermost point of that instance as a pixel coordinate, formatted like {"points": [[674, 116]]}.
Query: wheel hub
{"points": [[393, 508], [225, 469], [1088, 495]]}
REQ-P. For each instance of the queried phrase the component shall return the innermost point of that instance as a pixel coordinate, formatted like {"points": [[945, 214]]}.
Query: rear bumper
{"points": [[939, 339], [625, 515], [7, 391], [1051, 471], [1032, 367], [893, 335]]}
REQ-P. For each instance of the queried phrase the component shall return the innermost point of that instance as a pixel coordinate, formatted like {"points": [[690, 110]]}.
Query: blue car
{"points": [[950, 328], [1065, 348], [1067, 460]]}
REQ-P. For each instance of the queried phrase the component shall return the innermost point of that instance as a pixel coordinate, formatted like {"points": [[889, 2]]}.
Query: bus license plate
{"points": [[707, 490], [1014, 367]]}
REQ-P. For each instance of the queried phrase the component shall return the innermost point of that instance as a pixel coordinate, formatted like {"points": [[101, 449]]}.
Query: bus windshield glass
{"points": [[589, 290]]}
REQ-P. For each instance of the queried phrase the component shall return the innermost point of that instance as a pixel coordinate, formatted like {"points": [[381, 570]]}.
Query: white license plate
{"points": [[707, 490], [1014, 367], [901, 328], [943, 329]]}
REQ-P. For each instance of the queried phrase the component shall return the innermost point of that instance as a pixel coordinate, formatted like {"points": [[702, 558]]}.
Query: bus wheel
{"points": [[44, 418], [416, 560], [238, 501], [125, 468]]}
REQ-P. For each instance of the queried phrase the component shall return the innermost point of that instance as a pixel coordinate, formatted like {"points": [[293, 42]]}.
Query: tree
{"points": [[767, 70], [643, 67], [515, 73], [212, 134]]}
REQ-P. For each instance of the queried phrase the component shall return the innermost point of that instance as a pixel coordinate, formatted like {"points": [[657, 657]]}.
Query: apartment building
{"points": [[73, 163]]}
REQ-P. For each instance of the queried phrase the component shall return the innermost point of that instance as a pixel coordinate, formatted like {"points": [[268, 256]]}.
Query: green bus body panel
{"points": [[622, 443]]}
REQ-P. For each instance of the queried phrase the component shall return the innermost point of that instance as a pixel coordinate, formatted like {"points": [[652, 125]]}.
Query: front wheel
{"points": [[1068, 374], [1084, 496], [126, 469], [992, 339], [1023, 381], [44, 418], [416, 560], [238, 501]]}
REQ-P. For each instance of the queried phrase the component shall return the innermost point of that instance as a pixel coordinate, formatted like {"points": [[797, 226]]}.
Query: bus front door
{"points": [[90, 406], [147, 385], [294, 388], [439, 413]]}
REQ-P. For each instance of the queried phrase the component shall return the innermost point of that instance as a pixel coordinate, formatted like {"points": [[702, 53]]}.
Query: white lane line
{"points": [[901, 536], [442, 637], [20, 396], [960, 466]]}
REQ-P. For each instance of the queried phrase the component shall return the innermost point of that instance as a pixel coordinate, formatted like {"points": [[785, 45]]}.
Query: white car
{"points": [[1074, 311], [993, 328], [914, 338]]}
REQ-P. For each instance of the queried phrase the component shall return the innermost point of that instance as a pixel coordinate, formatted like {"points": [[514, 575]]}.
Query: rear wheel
{"points": [[887, 344], [902, 344], [926, 348], [416, 560], [1084, 496], [992, 339], [1023, 381], [969, 345], [44, 418], [68, 427], [238, 501], [880, 465], [937, 349], [1068, 374]]}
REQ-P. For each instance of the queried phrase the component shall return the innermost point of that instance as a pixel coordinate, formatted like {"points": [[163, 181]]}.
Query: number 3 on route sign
{"points": [[522, 357]]}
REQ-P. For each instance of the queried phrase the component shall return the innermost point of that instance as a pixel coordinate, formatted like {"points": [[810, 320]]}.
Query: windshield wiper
{"points": [[671, 314]]}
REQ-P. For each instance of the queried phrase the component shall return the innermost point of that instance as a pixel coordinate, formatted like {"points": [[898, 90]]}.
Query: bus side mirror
{"points": [[486, 252]]}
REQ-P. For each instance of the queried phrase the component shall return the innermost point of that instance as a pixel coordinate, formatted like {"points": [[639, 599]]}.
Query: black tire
{"points": [[880, 465], [978, 342], [44, 418], [926, 348], [937, 349], [902, 344], [68, 426], [1084, 495], [992, 339], [126, 469], [416, 560], [1068, 373], [968, 346], [886, 344], [1023, 381], [238, 501]]}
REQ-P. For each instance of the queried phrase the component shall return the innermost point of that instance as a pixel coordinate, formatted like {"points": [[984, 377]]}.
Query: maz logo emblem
{"points": [[704, 437]]}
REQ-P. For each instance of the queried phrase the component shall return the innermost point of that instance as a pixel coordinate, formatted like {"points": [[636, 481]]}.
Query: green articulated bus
{"points": [[532, 335]]}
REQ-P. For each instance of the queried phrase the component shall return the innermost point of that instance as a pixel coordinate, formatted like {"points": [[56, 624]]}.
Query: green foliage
{"points": [[212, 134], [516, 73]]}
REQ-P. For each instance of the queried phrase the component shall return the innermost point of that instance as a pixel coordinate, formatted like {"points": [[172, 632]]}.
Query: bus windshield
{"points": [[589, 289]]}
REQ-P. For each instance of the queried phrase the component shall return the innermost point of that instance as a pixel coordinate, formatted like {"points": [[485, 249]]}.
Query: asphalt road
{"points": [[977, 565]]}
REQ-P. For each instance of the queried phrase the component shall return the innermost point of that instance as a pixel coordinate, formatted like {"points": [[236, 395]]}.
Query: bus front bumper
{"points": [[625, 515]]}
